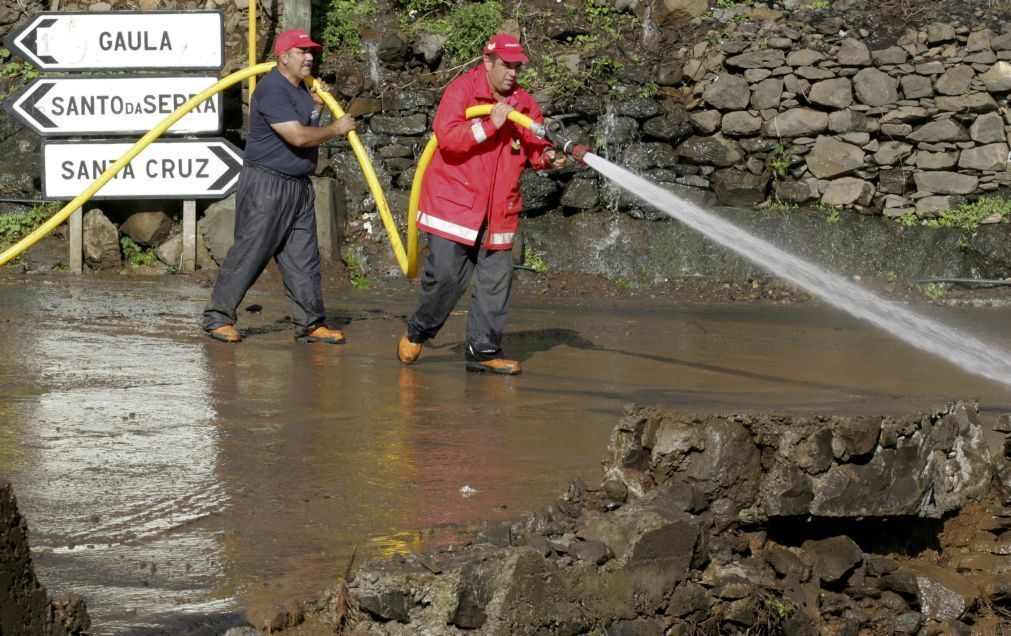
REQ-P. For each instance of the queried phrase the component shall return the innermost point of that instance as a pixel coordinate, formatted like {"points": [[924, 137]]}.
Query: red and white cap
{"points": [[506, 47], [293, 38]]}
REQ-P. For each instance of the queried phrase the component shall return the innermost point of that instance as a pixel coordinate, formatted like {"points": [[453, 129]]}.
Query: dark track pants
{"points": [[274, 218], [448, 270]]}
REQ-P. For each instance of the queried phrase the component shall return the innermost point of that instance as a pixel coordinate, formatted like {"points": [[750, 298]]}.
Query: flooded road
{"points": [[172, 480]]}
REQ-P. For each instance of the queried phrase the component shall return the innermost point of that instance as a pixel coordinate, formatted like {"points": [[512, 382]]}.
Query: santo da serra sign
{"points": [[118, 105], [170, 168], [118, 40]]}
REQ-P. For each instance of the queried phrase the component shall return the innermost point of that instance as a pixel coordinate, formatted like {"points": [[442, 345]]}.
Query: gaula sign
{"points": [[171, 168], [121, 105], [116, 40]]}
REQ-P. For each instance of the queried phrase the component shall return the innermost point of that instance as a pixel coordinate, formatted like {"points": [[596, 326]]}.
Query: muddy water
{"points": [[178, 483]]}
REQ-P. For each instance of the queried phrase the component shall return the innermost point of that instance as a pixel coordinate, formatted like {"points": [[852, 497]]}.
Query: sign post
{"points": [[123, 105]]}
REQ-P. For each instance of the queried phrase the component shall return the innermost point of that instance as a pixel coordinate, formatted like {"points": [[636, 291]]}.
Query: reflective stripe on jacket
{"points": [[475, 172]]}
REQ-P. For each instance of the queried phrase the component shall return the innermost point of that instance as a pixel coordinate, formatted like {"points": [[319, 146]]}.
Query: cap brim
{"points": [[510, 56]]}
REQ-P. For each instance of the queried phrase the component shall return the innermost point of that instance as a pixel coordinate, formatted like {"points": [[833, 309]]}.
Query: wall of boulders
{"points": [[707, 524], [805, 112]]}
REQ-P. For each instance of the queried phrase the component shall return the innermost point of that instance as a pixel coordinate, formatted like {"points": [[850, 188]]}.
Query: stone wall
{"points": [[728, 524], [792, 106]]}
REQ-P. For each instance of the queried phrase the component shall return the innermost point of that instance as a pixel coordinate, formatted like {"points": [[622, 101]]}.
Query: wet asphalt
{"points": [[173, 480]]}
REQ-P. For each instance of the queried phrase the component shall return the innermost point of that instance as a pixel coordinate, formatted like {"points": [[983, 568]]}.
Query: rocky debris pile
{"points": [[24, 606], [730, 524]]}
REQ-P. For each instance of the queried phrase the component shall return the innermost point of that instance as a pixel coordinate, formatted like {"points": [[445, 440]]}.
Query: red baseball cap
{"points": [[506, 47], [293, 38]]}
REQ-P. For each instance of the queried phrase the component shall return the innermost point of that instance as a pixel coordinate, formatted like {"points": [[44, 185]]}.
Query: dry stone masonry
{"points": [[729, 524]]}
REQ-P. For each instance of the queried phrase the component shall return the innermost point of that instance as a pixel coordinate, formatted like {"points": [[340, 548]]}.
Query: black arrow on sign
{"points": [[31, 104], [32, 44], [232, 167]]}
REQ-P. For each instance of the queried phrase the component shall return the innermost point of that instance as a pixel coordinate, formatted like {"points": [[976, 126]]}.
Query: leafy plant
{"points": [[602, 16], [340, 30], [967, 217], [934, 291], [779, 161], [908, 220], [819, 5], [14, 226], [649, 91], [135, 254], [832, 215], [560, 80], [468, 27], [356, 270], [535, 261], [772, 612], [416, 8], [604, 66], [778, 205]]}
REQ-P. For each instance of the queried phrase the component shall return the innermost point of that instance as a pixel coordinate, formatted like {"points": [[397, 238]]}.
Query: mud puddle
{"points": [[175, 482]]}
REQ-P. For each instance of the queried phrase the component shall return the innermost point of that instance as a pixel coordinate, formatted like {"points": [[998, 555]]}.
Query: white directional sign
{"points": [[58, 41], [172, 169], [68, 106]]}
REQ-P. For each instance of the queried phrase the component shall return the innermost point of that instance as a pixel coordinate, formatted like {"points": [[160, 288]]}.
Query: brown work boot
{"points": [[408, 351], [322, 333], [492, 360], [225, 333], [503, 366]]}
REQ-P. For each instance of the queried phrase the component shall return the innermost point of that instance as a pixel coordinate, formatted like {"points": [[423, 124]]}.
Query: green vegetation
{"points": [[14, 226], [340, 30], [467, 25], [934, 291], [778, 205], [831, 212], [470, 26], [535, 261], [136, 255], [772, 612], [15, 72], [420, 8], [603, 17], [819, 5], [732, 4], [558, 79], [356, 270], [649, 91], [778, 161], [966, 217]]}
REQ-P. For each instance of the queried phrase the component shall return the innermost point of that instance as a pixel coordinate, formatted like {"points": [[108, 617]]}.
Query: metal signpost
{"points": [[126, 105]]}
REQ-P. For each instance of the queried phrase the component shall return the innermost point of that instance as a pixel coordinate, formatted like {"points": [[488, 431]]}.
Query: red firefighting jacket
{"points": [[474, 175]]}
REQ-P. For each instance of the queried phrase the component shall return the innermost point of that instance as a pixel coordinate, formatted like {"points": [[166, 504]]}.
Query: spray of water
{"points": [[962, 349]]}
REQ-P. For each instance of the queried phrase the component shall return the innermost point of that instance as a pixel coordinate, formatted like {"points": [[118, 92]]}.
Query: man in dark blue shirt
{"points": [[275, 201]]}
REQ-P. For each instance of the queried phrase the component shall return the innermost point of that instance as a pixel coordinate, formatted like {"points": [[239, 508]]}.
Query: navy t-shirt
{"points": [[276, 100]]}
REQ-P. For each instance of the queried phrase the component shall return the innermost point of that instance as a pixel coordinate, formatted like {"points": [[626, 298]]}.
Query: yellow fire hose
{"points": [[75, 204]]}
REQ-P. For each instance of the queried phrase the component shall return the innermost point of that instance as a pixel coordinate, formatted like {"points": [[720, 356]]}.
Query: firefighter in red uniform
{"points": [[470, 206]]}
